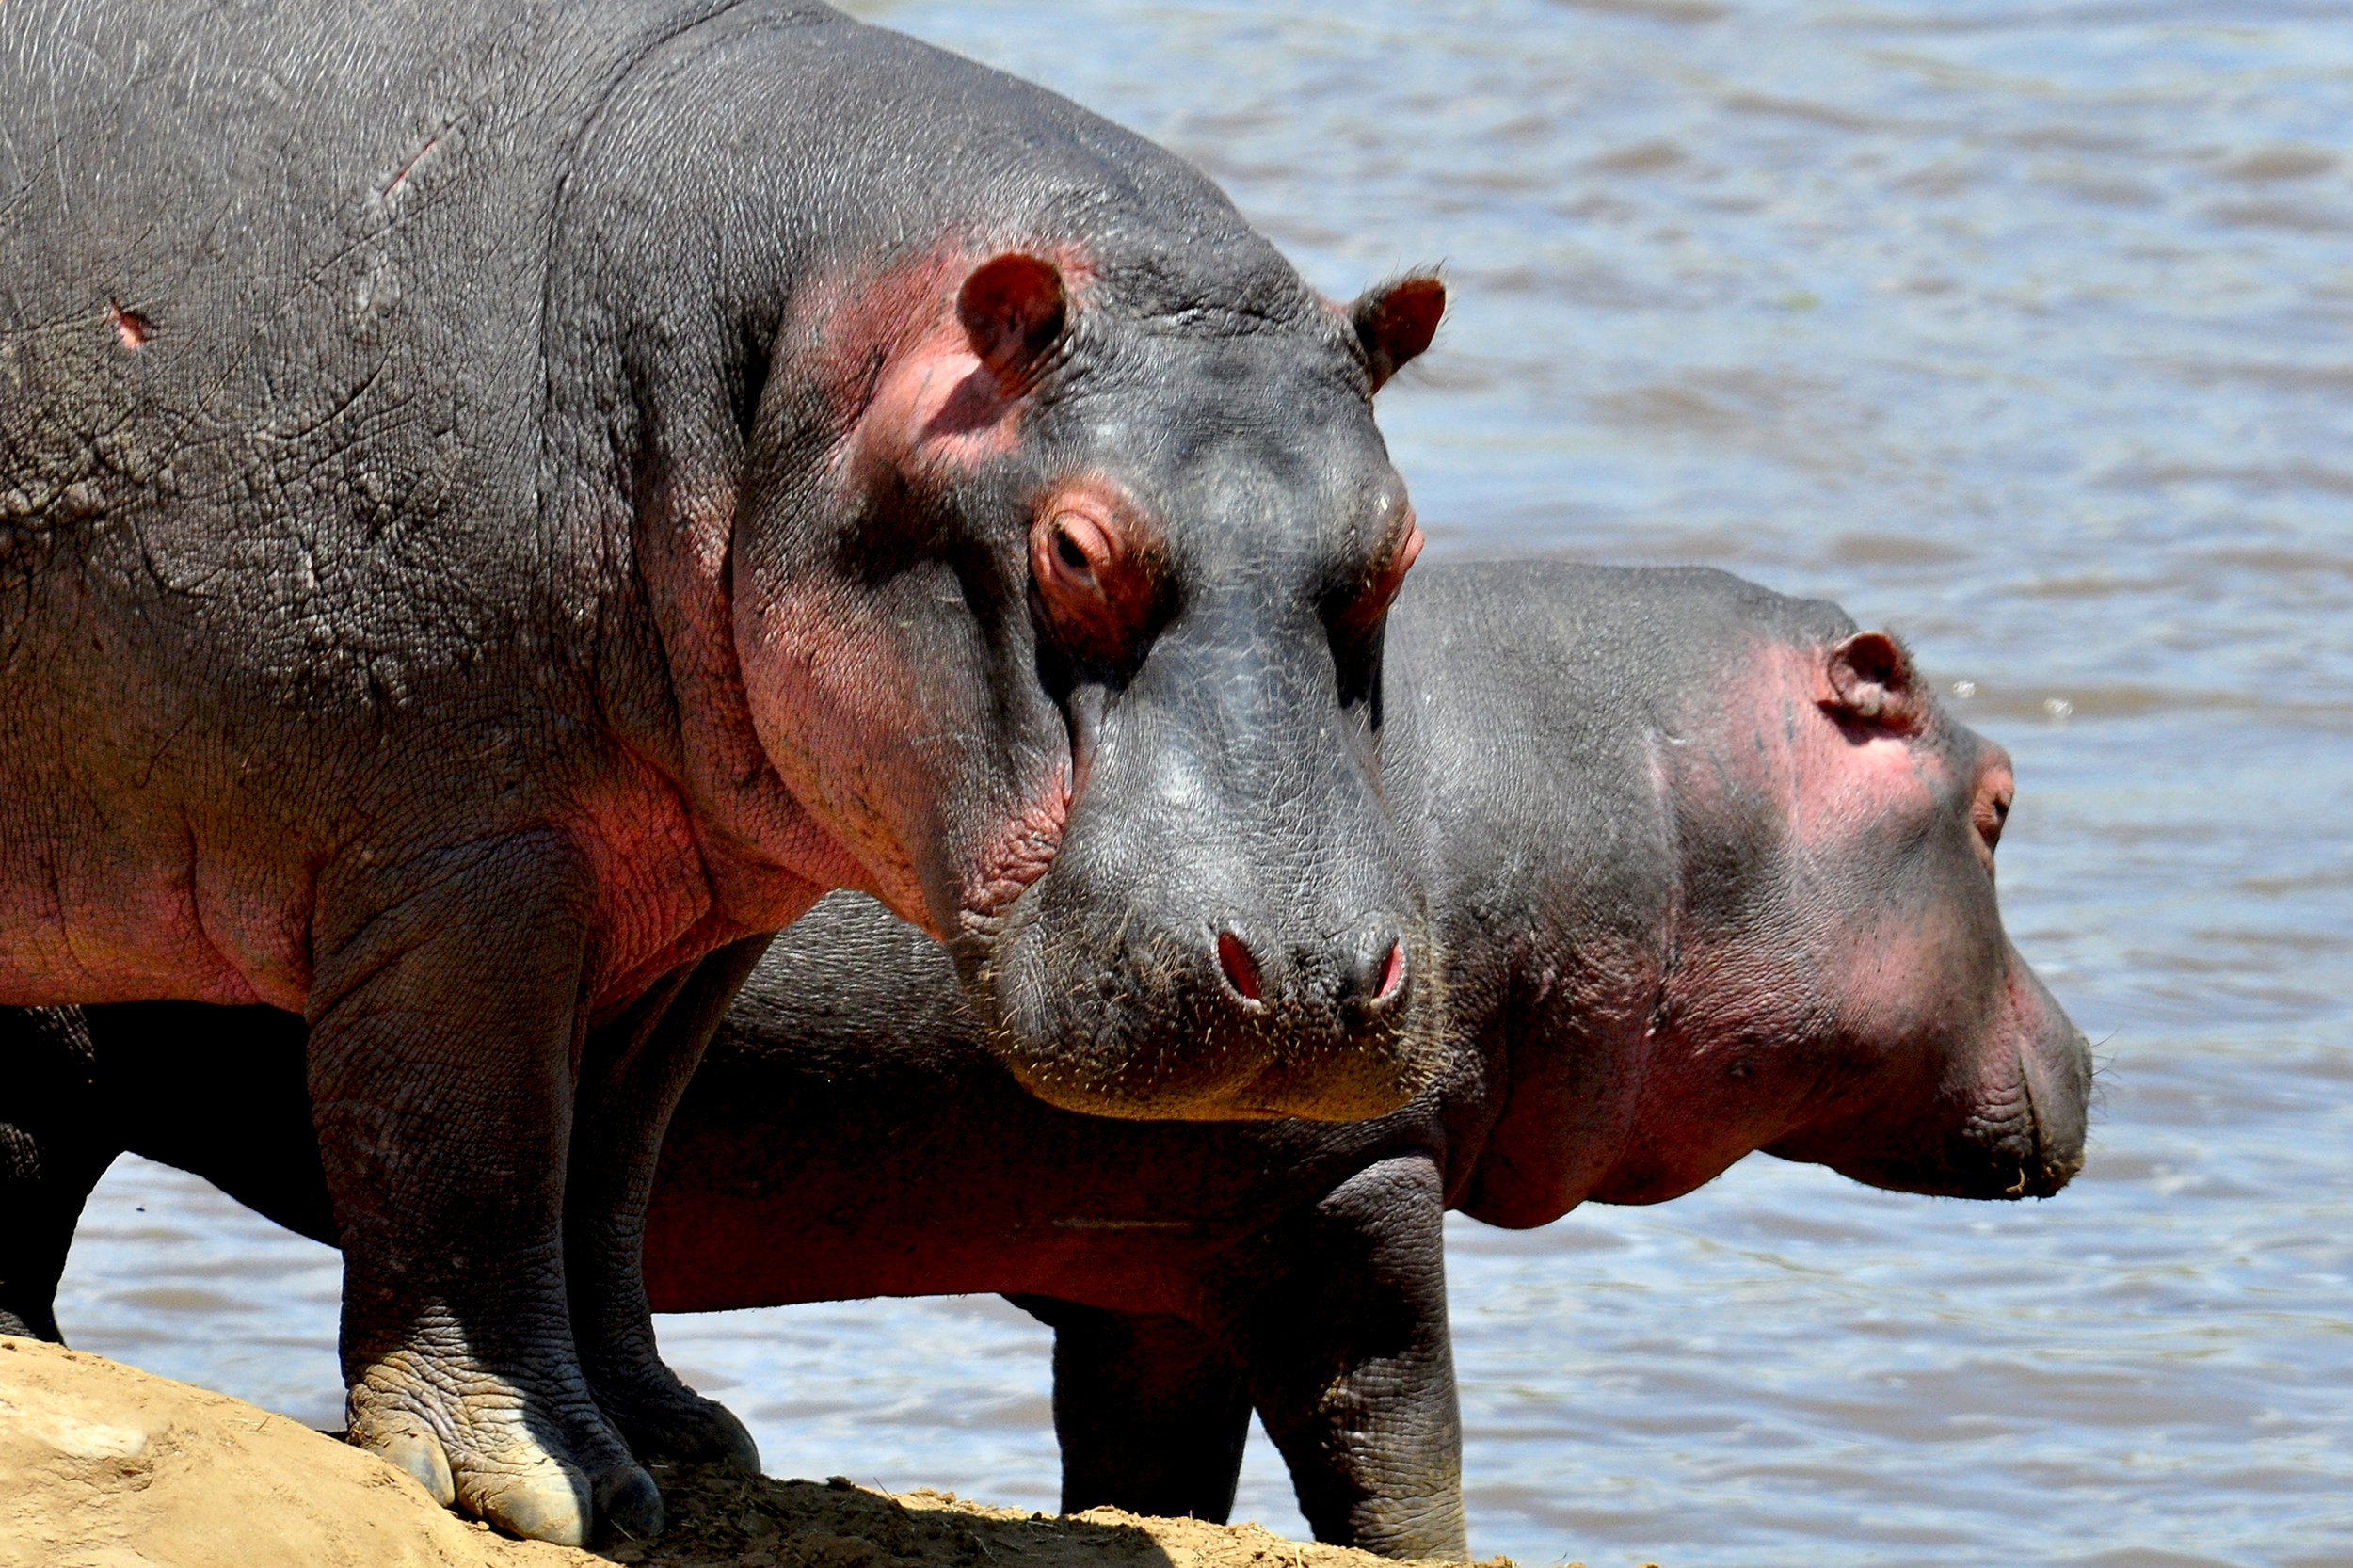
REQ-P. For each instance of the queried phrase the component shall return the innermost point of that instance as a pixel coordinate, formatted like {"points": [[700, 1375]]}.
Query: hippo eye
{"points": [[1354, 617], [1096, 580]]}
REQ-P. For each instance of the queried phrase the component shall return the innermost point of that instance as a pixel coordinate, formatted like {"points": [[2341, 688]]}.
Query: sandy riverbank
{"points": [[103, 1465]]}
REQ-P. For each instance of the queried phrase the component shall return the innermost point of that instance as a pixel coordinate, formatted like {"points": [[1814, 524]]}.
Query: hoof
{"points": [[420, 1455], [688, 1428], [547, 1502], [630, 1504]]}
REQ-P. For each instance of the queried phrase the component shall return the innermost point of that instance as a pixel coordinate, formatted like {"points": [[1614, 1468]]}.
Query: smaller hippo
{"points": [[1712, 872]]}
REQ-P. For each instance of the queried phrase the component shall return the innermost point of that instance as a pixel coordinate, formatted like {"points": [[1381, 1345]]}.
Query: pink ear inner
{"points": [[1870, 677], [1396, 322], [1012, 308]]}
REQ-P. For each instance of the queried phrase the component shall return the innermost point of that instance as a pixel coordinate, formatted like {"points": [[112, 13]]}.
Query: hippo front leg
{"points": [[1151, 1412], [51, 1152], [444, 1028], [1351, 1368], [634, 1071]]}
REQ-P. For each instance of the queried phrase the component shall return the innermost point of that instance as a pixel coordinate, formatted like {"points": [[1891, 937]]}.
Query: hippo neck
{"points": [[1521, 723], [1548, 750]]}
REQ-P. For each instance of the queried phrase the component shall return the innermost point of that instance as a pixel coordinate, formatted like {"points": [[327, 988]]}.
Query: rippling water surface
{"points": [[2024, 329]]}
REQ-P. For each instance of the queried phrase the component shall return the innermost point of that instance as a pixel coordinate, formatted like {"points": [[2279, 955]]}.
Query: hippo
{"points": [[502, 505], [1712, 872]]}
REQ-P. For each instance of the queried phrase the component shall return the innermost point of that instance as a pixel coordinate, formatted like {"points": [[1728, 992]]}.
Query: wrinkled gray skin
{"points": [[1694, 903], [500, 505]]}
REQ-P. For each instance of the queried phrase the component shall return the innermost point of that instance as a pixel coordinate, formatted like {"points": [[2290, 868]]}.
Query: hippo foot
{"points": [[488, 1452], [674, 1425]]}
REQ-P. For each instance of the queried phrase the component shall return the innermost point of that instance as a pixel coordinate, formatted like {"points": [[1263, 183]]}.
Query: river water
{"points": [[2024, 329]]}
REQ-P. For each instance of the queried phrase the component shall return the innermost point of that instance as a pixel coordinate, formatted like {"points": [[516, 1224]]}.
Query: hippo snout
{"points": [[2008, 1122], [2052, 1073], [2057, 1089], [1234, 925], [1363, 972], [2022, 1134], [1221, 1019]]}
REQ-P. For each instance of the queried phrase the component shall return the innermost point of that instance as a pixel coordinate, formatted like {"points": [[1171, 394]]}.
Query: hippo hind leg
{"points": [[1151, 1412], [51, 1152]]}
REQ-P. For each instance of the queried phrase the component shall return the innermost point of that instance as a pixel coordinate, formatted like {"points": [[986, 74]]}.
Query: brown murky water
{"points": [[2026, 328]]}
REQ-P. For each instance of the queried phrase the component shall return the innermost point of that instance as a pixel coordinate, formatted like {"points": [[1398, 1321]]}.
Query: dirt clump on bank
{"points": [[103, 1465]]}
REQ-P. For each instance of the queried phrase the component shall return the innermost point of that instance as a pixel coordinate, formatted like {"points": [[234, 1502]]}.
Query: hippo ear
{"points": [[1871, 678], [1013, 307], [1395, 321]]}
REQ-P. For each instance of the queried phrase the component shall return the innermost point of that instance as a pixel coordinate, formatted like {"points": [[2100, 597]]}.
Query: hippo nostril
{"points": [[1242, 971], [1374, 968]]}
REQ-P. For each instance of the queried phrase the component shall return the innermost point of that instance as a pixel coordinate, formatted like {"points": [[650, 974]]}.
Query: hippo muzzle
{"points": [[2009, 1123], [1232, 928]]}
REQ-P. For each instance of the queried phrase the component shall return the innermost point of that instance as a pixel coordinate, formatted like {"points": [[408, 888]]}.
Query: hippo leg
{"points": [[635, 1069], [52, 1150], [1151, 1412], [445, 1032], [1352, 1370]]}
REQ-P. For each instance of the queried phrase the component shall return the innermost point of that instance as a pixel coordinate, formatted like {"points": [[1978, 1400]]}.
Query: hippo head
{"points": [[1842, 978], [1082, 668]]}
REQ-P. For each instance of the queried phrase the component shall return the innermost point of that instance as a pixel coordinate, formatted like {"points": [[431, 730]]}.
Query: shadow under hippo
{"points": [[1711, 873]]}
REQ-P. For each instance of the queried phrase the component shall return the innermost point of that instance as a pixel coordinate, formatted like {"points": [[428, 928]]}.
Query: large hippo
{"points": [[502, 503], [1712, 872]]}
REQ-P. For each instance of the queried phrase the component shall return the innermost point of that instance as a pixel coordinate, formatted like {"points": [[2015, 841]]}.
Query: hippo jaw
{"points": [[1086, 677], [2012, 1127]]}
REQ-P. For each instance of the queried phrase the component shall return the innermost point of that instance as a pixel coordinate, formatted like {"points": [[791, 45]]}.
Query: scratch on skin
{"points": [[415, 158], [1078, 1223]]}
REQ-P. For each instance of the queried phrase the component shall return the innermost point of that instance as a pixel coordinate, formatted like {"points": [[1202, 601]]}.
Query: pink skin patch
{"points": [[870, 727], [132, 330], [1021, 853], [896, 365], [1732, 1074], [178, 929], [873, 740], [657, 904], [204, 929], [936, 409]]}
